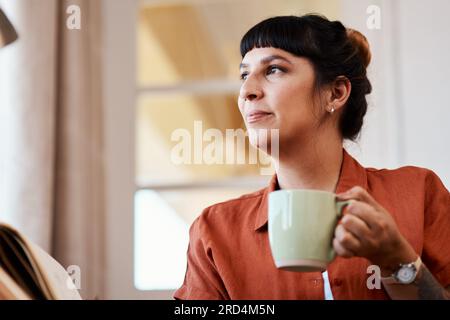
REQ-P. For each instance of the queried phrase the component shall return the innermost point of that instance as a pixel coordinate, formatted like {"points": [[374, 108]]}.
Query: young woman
{"points": [[306, 77]]}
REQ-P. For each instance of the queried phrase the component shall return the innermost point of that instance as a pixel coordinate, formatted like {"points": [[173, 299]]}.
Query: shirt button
{"points": [[316, 282], [337, 282]]}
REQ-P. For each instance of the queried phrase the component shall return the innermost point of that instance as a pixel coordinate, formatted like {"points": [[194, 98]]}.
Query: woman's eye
{"points": [[272, 69]]}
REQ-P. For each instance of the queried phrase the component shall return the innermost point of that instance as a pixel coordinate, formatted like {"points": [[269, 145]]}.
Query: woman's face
{"points": [[277, 93]]}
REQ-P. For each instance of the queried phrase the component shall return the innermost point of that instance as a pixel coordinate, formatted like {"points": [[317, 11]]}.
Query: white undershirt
{"points": [[326, 286]]}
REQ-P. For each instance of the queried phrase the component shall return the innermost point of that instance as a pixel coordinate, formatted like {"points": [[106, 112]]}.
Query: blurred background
{"points": [[87, 116]]}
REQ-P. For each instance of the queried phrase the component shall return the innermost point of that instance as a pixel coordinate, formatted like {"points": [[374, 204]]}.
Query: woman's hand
{"points": [[368, 230]]}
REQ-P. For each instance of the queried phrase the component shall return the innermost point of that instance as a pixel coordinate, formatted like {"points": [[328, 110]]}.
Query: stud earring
{"points": [[332, 110]]}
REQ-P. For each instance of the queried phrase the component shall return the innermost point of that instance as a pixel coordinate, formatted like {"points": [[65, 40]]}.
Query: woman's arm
{"points": [[425, 287], [201, 281]]}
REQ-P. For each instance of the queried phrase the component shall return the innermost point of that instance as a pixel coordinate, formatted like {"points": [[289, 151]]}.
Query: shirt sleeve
{"points": [[202, 280], [436, 248]]}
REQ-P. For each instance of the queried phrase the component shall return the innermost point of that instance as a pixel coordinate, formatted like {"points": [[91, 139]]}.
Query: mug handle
{"points": [[340, 205]]}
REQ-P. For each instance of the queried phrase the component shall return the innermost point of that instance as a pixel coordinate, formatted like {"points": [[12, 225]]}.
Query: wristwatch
{"points": [[405, 274]]}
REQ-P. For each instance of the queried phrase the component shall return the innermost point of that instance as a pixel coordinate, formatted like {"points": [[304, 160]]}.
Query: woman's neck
{"points": [[311, 166]]}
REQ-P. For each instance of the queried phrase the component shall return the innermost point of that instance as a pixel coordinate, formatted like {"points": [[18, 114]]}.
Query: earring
{"points": [[332, 110]]}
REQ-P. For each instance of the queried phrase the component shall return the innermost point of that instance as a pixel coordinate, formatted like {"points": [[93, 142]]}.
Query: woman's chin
{"points": [[263, 137], [261, 126]]}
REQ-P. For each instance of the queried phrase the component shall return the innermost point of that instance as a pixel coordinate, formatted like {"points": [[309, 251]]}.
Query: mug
{"points": [[301, 228]]}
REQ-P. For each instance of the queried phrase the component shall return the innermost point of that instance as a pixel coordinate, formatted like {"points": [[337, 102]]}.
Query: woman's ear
{"points": [[340, 90]]}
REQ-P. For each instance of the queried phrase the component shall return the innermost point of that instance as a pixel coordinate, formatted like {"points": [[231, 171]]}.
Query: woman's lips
{"points": [[256, 116]]}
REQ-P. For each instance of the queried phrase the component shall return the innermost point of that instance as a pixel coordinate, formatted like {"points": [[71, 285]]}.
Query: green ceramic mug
{"points": [[301, 228]]}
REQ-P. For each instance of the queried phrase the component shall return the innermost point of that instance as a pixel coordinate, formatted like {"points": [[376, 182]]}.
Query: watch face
{"points": [[406, 274]]}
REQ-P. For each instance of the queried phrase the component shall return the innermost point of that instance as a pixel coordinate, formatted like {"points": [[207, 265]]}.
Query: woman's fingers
{"points": [[356, 226], [367, 229], [361, 194], [365, 213], [344, 242], [341, 251]]}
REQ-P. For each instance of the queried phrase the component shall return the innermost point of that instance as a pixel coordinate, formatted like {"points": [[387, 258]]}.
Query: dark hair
{"points": [[333, 50]]}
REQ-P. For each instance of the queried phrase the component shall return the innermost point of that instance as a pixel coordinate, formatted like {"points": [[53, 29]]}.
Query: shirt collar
{"points": [[351, 174]]}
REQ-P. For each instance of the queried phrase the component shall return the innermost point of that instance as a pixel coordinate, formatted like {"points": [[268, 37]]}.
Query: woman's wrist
{"points": [[402, 254]]}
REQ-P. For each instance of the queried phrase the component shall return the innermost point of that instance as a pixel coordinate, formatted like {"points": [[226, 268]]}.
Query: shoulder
{"points": [[407, 176], [411, 183], [406, 172], [229, 215]]}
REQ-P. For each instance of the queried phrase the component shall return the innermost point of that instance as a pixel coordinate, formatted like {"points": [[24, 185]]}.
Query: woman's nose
{"points": [[250, 90]]}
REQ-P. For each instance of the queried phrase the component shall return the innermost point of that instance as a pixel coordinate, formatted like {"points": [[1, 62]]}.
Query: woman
{"points": [[306, 77]]}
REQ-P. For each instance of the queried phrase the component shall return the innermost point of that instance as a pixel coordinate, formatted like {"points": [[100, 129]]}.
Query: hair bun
{"points": [[359, 41]]}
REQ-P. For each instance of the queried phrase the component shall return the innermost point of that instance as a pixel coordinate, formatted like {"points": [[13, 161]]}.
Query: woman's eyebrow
{"points": [[266, 60]]}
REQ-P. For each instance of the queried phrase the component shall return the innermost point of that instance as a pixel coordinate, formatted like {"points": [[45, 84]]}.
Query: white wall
{"points": [[119, 18], [119, 89], [425, 84], [408, 111]]}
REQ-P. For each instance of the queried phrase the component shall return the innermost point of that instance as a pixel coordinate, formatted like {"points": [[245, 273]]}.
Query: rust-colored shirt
{"points": [[229, 255]]}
